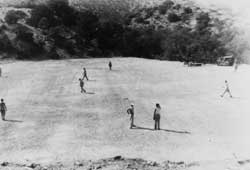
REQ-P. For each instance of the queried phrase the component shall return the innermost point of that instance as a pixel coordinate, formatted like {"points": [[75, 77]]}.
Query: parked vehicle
{"points": [[225, 61]]}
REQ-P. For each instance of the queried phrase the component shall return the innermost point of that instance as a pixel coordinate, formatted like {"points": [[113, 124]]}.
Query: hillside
{"points": [[166, 30]]}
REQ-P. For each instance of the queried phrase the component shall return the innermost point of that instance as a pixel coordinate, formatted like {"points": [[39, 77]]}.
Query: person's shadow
{"points": [[13, 121], [166, 130], [90, 93], [92, 80]]}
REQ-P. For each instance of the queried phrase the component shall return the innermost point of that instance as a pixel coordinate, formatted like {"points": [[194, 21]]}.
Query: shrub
{"points": [[172, 17], [106, 29], [5, 43], [110, 36], [165, 6], [177, 7], [87, 25], [203, 22], [13, 16], [188, 10], [43, 23], [42, 11], [63, 11]]}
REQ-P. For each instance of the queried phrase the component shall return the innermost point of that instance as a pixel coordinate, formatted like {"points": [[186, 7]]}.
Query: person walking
{"points": [[110, 65], [131, 112], [157, 116], [3, 109], [81, 85], [227, 90], [84, 74]]}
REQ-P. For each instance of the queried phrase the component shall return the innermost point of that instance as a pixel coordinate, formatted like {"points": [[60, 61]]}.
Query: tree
{"points": [[87, 25], [165, 6], [24, 44], [5, 43], [172, 17], [42, 11], [13, 16], [110, 36], [65, 13], [188, 10], [43, 23], [203, 22]]}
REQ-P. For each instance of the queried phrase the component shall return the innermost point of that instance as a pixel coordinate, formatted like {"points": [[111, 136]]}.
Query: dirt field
{"points": [[50, 121]]}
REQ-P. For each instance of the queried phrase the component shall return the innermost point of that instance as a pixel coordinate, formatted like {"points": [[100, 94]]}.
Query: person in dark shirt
{"points": [[110, 65], [3, 109], [81, 86], [157, 116], [131, 112]]}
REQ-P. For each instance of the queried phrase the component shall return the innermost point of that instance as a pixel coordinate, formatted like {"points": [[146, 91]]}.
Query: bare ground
{"points": [[50, 121]]}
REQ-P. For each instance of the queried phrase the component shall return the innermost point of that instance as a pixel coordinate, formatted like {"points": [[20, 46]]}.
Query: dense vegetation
{"points": [[167, 31]]}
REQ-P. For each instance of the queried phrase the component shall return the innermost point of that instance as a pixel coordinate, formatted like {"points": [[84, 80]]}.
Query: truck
{"points": [[225, 61]]}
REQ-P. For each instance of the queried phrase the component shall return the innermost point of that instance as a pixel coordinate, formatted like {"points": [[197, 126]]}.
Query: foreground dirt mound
{"points": [[116, 163]]}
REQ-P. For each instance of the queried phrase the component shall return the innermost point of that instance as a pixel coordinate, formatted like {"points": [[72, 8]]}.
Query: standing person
{"points": [[227, 90], [84, 74], [131, 112], [81, 85], [3, 109], [236, 64], [110, 65], [157, 116]]}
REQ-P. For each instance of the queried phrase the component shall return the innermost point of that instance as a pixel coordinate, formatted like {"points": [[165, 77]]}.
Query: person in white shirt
{"points": [[227, 90], [84, 74]]}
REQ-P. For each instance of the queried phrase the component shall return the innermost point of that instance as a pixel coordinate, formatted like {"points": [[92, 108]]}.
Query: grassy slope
{"points": [[60, 124]]}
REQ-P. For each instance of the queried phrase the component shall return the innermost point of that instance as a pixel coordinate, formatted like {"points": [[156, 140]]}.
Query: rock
{"points": [[180, 163], [33, 165], [151, 163], [80, 164], [98, 167], [45, 168], [129, 166], [154, 164], [117, 158], [5, 164]]}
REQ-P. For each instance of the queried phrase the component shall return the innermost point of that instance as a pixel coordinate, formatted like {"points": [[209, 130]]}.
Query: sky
{"points": [[239, 9], [234, 4]]}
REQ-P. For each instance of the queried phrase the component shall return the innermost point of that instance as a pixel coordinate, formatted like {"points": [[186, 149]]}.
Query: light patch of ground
{"points": [[50, 121]]}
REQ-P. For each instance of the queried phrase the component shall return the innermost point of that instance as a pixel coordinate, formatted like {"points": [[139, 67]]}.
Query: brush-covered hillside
{"points": [[167, 30]]}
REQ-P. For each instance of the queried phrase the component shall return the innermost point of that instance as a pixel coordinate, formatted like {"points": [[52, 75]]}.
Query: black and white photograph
{"points": [[125, 85]]}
